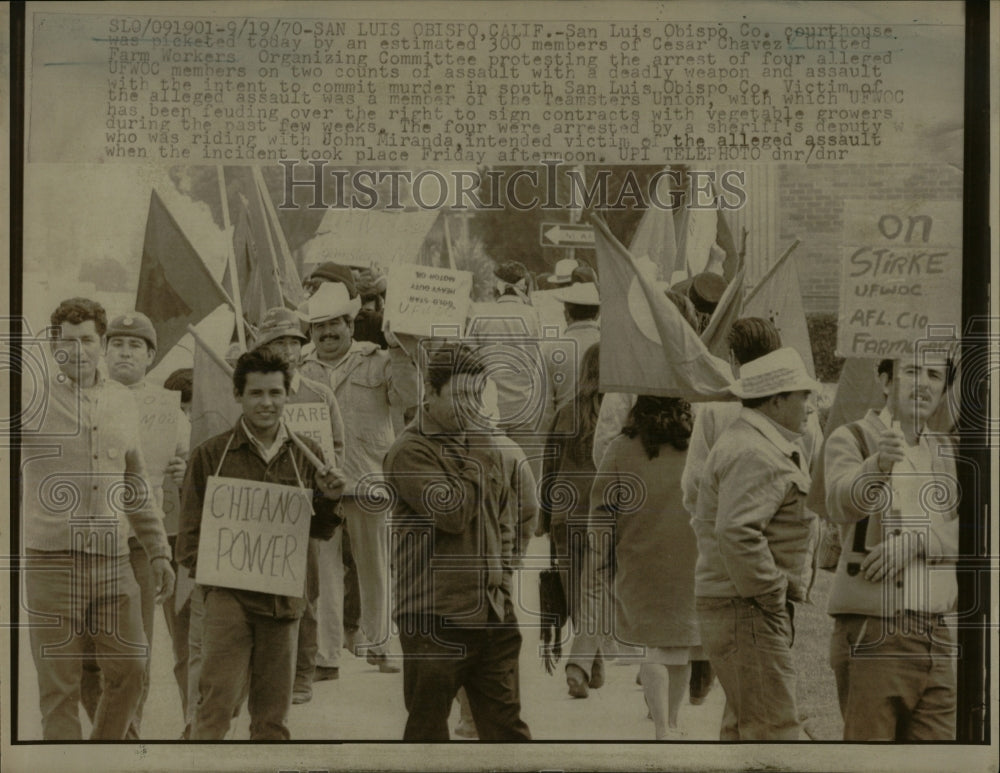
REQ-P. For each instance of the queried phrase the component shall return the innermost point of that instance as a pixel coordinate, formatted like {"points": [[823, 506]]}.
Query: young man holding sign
{"points": [[252, 497], [892, 488], [311, 410]]}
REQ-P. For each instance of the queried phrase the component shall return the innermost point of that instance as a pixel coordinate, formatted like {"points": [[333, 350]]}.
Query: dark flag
{"points": [[175, 287]]}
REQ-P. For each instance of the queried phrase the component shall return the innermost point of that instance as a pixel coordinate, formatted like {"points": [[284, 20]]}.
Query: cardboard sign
{"points": [[159, 414], [313, 421], [419, 298], [901, 276], [254, 536]]}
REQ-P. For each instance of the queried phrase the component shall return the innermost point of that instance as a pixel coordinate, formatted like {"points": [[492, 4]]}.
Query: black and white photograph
{"points": [[500, 386]]}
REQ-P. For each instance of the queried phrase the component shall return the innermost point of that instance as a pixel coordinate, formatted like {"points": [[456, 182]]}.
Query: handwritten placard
{"points": [[254, 536], [313, 421], [901, 274], [419, 298], [159, 414]]}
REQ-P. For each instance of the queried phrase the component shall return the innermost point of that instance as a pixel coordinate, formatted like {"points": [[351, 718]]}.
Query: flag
{"points": [[646, 345], [777, 298], [729, 309], [213, 408], [175, 287], [265, 269], [287, 272], [732, 264], [656, 238], [687, 241], [257, 293]]}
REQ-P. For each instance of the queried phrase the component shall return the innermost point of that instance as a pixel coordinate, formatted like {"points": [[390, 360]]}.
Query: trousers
{"points": [[896, 678], [583, 568], [73, 596], [307, 647], [484, 660], [90, 682], [750, 649], [244, 653]]}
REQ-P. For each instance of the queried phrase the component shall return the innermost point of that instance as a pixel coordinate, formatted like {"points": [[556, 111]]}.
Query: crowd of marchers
{"points": [[687, 532]]}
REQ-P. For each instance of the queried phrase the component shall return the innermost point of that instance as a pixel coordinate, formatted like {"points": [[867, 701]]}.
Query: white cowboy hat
{"points": [[330, 301]]}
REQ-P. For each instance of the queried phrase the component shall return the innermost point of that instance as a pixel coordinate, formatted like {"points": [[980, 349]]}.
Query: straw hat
{"points": [[780, 371]]}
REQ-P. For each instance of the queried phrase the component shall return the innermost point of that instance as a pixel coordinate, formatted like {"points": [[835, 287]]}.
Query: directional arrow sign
{"points": [[566, 235]]}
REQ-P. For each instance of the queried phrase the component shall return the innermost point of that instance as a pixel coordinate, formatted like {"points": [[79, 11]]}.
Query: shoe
{"points": [[466, 729], [302, 695], [324, 673], [597, 673], [352, 638], [576, 680], [382, 661]]}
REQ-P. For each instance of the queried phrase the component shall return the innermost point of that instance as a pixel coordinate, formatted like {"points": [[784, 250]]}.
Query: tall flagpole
{"points": [[241, 335]]}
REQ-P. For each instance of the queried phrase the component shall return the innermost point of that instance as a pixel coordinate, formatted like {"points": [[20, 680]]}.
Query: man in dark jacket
{"points": [[250, 634], [454, 536]]}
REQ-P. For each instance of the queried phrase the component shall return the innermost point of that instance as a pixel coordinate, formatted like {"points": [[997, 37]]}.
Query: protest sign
{"points": [[420, 298], [254, 536], [901, 275], [313, 421], [159, 413]]}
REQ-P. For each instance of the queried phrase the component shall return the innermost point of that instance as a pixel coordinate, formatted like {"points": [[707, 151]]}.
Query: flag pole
{"points": [[241, 335], [447, 240], [214, 355], [770, 272]]}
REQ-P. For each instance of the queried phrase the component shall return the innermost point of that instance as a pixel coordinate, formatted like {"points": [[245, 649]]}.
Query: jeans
{"points": [[484, 660], [895, 677], [85, 595], [237, 648], [750, 649]]}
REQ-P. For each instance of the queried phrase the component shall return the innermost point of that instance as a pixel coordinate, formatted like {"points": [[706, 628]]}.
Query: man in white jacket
{"points": [[892, 649]]}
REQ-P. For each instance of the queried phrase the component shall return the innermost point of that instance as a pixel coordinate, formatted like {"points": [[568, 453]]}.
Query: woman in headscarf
{"points": [[638, 488]]}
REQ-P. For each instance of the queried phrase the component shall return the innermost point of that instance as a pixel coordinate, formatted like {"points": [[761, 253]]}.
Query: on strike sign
{"points": [[254, 536], [901, 274]]}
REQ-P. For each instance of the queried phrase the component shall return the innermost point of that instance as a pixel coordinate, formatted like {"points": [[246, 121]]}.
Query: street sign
{"points": [[566, 235]]}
